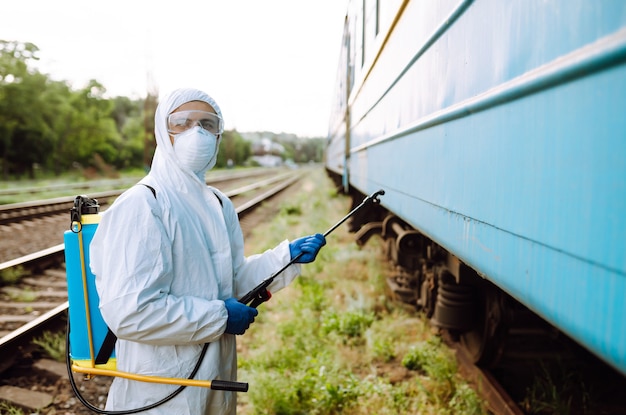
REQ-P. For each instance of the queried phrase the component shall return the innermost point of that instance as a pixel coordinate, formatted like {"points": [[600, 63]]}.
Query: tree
{"points": [[15, 98], [32, 138], [90, 128], [233, 147], [57, 109], [301, 150], [129, 121]]}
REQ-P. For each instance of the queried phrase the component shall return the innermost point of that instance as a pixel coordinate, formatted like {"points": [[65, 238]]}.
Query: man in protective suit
{"points": [[170, 265]]}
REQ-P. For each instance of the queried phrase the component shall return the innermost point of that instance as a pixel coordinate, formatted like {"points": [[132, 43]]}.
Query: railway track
{"points": [[489, 388], [38, 302], [41, 217], [17, 212]]}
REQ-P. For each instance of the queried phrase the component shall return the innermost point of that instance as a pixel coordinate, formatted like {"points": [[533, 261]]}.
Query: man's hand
{"points": [[308, 246], [240, 316]]}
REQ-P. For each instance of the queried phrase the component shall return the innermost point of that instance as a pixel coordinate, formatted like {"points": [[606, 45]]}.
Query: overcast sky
{"points": [[269, 64]]}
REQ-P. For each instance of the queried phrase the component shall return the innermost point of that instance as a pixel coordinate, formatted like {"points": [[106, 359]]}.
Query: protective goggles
{"points": [[178, 122]]}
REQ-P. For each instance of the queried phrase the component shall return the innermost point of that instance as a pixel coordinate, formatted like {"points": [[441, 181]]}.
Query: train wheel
{"points": [[485, 342]]}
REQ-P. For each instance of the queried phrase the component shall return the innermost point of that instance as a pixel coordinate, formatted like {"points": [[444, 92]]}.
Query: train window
{"points": [[352, 47], [361, 34], [370, 26], [349, 57], [345, 69], [371, 19], [386, 12], [355, 22]]}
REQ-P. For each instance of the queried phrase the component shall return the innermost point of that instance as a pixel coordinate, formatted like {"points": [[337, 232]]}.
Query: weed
{"points": [[53, 344], [554, 389], [383, 349], [348, 324], [291, 210], [13, 275], [465, 400], [8, 409], [432, 359], [24, 296], [313, 295]]}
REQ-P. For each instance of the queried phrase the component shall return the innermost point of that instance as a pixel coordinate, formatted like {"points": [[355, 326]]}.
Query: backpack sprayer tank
{"points": [[88, 331]]}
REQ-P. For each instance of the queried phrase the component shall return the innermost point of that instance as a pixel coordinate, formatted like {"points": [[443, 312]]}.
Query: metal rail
{"points": [[216, 177], [14, 212], [497, 399]]}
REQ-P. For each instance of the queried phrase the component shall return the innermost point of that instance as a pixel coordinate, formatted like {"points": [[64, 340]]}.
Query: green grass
{"points": [[64, 185], [73, 183], [556, 389], [332, 342], [26, 295], [8, 409], [52, 344], [12, 275]]}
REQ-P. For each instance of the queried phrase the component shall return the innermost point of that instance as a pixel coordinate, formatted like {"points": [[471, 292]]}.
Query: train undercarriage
{"points": [[453, 296]]}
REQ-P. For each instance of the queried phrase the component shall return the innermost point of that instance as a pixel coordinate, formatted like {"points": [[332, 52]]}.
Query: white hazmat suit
{"points": [[164, 266]]}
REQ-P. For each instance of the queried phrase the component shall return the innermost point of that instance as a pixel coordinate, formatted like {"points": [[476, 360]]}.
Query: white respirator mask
{"points": [[196, 149]]}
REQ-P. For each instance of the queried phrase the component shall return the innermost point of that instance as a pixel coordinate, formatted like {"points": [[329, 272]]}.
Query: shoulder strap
{"points": [[219, 199], [151, 189], [106, 350]]}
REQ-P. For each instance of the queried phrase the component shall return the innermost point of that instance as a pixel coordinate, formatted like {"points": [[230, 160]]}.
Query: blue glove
{"points": [[240, 316], [308, 245]]}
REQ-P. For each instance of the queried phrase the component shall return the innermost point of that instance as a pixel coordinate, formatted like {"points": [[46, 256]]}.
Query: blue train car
{"points": [[498, 131]]}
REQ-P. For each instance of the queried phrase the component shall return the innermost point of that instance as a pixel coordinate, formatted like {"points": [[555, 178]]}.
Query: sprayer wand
{"points": [[261, 294]]}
